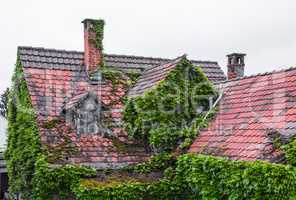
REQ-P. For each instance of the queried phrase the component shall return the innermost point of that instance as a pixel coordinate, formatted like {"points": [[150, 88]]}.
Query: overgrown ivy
{"points": [[164, 189], [57, 182], [290, 152], [182, 177], [23, 138], [30, 176], [159, 162], [98, 28], [163, 115], [126, 78], [200, 177], [220, 178]]}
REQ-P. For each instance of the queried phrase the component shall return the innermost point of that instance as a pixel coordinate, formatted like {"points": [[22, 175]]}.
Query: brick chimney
{"points": [[93, 48], [236, 65]]}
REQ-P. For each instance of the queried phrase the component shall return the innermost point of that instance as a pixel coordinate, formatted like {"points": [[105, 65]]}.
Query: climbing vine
{"points": [[57, 182], [98, 28], [23, 137], [30, 175], [164, 115], [167, 176], [290, 152], [194, 177], [220, 178], [117, 77]]}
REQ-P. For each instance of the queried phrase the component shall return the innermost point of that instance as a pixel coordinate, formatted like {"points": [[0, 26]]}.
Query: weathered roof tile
{"points": [[251, 109]]}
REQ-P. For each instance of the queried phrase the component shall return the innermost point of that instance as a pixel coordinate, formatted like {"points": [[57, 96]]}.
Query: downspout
{"points": [[213, 106]]}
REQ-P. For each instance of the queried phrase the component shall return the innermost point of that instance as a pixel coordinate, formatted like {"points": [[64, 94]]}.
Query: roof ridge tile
{"points": [[259, 74], [111, 55]]}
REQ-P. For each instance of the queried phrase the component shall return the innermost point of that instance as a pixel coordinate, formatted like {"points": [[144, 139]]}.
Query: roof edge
{"points": [[117, 55], [260, 74]]}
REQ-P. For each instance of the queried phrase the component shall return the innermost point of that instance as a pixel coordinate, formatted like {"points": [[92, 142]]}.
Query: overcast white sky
{"points": [[205, 30]]}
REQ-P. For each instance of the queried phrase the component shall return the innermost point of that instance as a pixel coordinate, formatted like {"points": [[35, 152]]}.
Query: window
{"points": [[84, 113]]}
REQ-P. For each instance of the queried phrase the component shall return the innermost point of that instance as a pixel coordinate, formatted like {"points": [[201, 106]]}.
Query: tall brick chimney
{"points": [[93, 47], [236, 65]]}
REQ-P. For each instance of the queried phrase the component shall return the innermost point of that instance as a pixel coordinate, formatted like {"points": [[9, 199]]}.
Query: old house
{"points": [[254, 111], [68, 86], [84, 108]]}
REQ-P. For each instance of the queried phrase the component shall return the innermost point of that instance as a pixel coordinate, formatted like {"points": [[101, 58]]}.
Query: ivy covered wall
{"points": [[30, 176], [23, 139], [194, 176], [165, 115]]}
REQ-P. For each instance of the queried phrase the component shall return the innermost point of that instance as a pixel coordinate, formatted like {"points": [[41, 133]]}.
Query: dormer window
{"points": [[88, 116], [84, 112]]}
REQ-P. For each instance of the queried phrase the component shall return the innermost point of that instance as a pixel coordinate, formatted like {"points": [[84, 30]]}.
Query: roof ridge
{"points": [[259, 74], [168, 62], [48, 49], [112, 55]]}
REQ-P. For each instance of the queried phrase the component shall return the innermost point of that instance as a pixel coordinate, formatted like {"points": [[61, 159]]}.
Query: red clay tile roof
{"points": [[57, 79], [72, 60], [152, 76], [252, 112], [52, 89]]}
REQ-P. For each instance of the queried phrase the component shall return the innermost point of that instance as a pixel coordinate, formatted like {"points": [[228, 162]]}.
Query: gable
{"points": [[253, 113], [152, 76]]}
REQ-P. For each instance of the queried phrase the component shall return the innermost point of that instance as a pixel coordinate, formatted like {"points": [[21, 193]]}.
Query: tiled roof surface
{"points": [[72, 60], [252, 112], [56, 79], [152, 76], [52, 89]]}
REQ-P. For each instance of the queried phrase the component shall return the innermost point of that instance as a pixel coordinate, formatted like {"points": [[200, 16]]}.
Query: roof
{"points": [[236, 54], [54, 87], [56, 79], [72, 60], [254, 112], [152, 76]]}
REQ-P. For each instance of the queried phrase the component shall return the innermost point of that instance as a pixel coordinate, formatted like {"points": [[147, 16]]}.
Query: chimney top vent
{"points": [[235, 65]]}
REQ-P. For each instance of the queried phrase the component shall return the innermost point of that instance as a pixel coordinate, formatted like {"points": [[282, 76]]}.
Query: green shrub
{"points": [[290, 152], [219, 178]]}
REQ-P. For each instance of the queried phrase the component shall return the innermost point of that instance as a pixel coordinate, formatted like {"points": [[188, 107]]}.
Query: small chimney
{"points": [[236, 65], [93, 47]]}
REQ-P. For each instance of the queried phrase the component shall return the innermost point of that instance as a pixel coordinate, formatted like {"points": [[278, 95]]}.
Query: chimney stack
{"points": [[93, 47], [236, 65]]}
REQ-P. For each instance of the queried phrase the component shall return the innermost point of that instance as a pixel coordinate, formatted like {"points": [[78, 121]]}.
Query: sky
{"points": [[205, 30]]}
